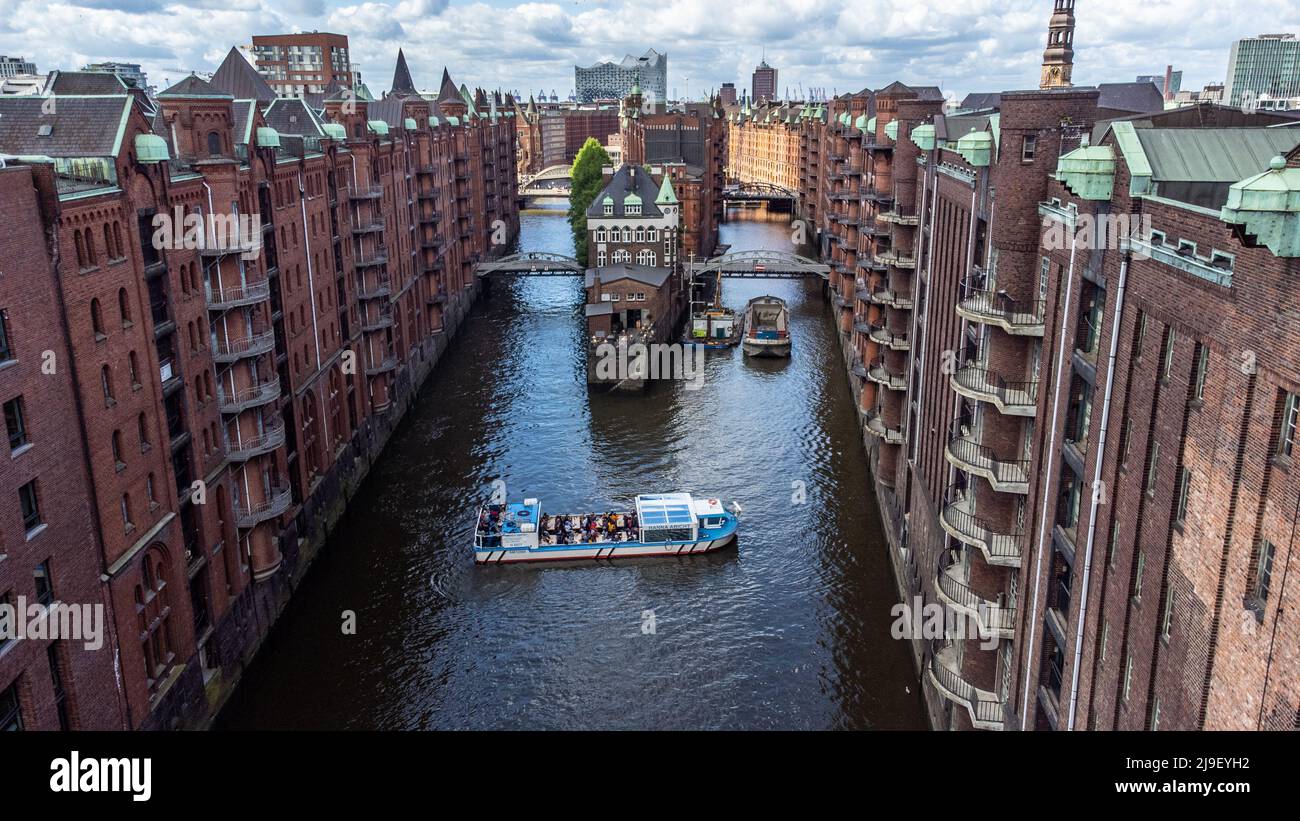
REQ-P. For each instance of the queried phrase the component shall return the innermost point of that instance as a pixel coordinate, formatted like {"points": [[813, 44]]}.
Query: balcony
{"points": [[271, 437], [1000, 309], [881, 335], [377, 323], [220, 246], [275, 504], [896, 259], [993, 618], [222, 299], [244, 347], [882, 295], [1005, 475], [999, 549], [365, 192], [1010, 398], [365, 259], [250, 397], [368, 227], [876, 426], [984, 706], [900, 215], [881, 375], [389, 363], [438, 297], [379, 289]]}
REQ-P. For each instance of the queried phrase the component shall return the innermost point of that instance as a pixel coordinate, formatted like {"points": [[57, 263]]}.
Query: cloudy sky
{"points": [[841, 45]]}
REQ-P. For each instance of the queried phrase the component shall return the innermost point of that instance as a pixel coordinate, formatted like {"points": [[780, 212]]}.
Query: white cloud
{"points": [[836, 44]]}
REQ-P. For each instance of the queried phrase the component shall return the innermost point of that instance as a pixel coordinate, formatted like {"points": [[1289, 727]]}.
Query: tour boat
{"points": [[767, 327], [661, 524], [713, 326]]}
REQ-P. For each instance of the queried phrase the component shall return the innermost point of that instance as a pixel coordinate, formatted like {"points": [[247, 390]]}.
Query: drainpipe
{"points": [[1051, 459], [961, 334], [311, 288], [919, 352], [1096, 481]]}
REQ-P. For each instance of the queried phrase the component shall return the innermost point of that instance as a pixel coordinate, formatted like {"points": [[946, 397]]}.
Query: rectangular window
{"points": [[1153, 468], [1261, 579], [1114, 543], [15, 423], [1140, 335], [1105, 637], [1027, 148], [1155, 714], [9, 629], [11, 716], [44, 583], [1138, 573], [1168, 366], [1128, 675], [56, 678], [1290, 414], [5, 352], [29, 503], [1168, 619], [1126, 439], [1184, 487], [1202, 366]]}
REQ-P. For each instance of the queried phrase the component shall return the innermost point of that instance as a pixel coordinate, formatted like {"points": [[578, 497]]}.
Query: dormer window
{"points": [[633, 209], [609, 209]]}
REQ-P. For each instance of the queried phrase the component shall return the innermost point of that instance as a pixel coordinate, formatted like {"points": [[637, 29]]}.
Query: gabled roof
{"points": [[291, 116], [85, 82], [654, 277], [90, 126], [629, 179], [240, 80], [402, 82], [194, 86], [387, 110], [981, 99], [242, 125]]}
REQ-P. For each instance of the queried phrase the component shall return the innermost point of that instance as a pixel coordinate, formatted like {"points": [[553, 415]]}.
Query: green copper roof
{"points": [[870, 124], [268, 137], [631, 199], [378, 126], [151, 148], [1267, 206], [976, 148], [666, 194], [453, 121], [1135, 157], [409, 124], [1088, 171], [891, 130], [923, 136], [335, 131]]}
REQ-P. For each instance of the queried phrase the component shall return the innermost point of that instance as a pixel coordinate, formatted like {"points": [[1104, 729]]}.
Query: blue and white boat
{"points": [[660, 524]]}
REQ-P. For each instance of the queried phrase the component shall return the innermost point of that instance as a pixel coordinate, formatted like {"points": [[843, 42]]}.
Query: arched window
{"points": [[214, 144], [117, 239], [622, 255], [142, 428], [117, 449], [651, 235], [126, 511], [124, 306], [134, 371], [80, 243], [106, 378], [600, 235], [108, 242], [96, 318], [627, 234], [90, 248], [640, 235]]}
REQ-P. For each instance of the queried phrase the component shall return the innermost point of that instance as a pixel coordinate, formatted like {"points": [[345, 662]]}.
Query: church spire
{"points": [[1058, 57]]}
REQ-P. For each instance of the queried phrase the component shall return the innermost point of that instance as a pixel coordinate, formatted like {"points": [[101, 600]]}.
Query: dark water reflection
{"points": [[789, 630]]}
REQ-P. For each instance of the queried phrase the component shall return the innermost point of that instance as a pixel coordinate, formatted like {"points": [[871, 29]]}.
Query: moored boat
{"points": [[712, 326], [767, 327], [660, 524]]}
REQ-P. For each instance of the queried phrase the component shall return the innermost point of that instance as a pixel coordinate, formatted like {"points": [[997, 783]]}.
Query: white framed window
{"points": [[640, 235], [1290, 420], [609, 209], [622, 255], [651, 235], [600, 235], [627, 234], [600, 259]]}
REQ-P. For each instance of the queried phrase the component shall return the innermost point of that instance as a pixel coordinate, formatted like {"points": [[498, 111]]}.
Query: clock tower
{"points": [[1058, 57]]}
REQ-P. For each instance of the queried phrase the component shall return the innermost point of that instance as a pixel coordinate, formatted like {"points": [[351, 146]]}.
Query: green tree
{"points": [[587, 180]]}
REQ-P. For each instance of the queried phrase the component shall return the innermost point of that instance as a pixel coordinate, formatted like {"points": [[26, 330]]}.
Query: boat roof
{"points": [[654, 510], [708, 507]]}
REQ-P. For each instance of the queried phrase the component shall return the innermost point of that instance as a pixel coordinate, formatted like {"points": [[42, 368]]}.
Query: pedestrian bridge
{"points": [[757, 191], [530, 263], [552, 181], [760, 265]]}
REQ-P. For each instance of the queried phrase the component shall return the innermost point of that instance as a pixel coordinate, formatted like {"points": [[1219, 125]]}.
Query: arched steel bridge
{"points": [[757, 191], [761, 265], [548, 174], [531, 263]]}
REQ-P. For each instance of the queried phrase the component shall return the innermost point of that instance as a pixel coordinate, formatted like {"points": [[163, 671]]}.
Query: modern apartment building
{"points": [[305, 63], [763, 84], [614, 81], [1263, 66], [14, 66], [132, 73], [188, 412]]}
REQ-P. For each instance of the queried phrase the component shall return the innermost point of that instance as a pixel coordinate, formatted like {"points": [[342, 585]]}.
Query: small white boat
{"points": [[767, 327], [661, 524]]}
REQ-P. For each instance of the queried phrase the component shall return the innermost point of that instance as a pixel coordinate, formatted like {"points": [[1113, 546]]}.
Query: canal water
{"points": [[790, 629]]}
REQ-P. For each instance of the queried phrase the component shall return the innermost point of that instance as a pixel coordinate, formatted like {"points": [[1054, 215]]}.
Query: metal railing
{"points": [[251, 515], [255, 394], [975, 382], [984, 706], [999, 547], [365, 192], [228, 350], [974, 456], [271, 437], [980, 304], [878, 373], [236, 296], [378, 256], [992, 617]]}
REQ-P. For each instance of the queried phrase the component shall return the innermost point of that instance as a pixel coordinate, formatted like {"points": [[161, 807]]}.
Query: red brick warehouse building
{"points": [[1005, 364], [227, 399]]}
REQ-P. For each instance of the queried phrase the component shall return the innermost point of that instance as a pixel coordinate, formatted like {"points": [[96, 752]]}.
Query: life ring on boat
{"points": [[524, 514], [713, 501]]}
